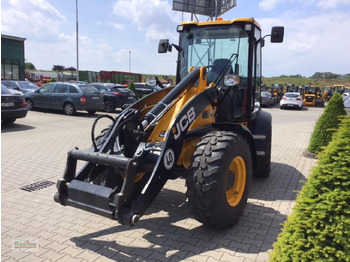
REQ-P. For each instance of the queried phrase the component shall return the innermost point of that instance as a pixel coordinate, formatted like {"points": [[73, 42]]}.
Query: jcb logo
{"points": [[169, 159], [184, 122]]}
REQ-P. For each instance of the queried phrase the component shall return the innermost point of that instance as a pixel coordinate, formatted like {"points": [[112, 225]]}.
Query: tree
{"points": [[29, 65], [327, 124], [58, 68], [71, 68], [319, 227]]}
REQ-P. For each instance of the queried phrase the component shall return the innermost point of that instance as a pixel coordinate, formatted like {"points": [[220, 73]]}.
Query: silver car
{"points": [[292, 100], [68, 97]]}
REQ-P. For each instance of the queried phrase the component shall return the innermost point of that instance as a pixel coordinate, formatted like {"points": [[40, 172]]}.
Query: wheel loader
{"points": [[207, 129], [312, 96]]}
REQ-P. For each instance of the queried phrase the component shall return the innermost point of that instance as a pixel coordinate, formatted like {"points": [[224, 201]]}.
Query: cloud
{"points": [[118, 27], [268, 5], [155, 18], [34, 17], [310, 45], [326, 4]]}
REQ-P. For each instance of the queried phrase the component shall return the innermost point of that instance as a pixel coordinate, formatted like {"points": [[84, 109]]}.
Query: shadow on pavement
{"points": [[79, 113], [282, 183], [176, 236], [7, 128]]}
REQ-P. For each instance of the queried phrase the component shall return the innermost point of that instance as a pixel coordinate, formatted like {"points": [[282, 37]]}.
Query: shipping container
{"points": [[89, 76], [105, 77], [123, 77]]}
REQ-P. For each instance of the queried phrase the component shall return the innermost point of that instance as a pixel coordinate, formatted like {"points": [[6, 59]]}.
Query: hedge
{"points": [[327, 124], [319, 227]]}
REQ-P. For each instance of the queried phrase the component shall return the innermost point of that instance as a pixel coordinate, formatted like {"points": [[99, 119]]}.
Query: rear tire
{"points": [[264, 162], [8, 121], [219, 179], [69, 109]]}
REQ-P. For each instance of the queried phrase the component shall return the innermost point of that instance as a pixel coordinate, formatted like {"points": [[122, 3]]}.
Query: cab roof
{"points": [[223, 22]]}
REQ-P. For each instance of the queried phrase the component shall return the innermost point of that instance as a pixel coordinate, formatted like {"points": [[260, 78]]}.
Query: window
{"points": [[9, 70], [72, 90], [47, 88], [61, 88], [292, 95], [208, 46]]}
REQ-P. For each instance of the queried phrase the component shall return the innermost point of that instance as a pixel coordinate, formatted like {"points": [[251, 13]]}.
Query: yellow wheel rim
{"points": [[236, 180]]}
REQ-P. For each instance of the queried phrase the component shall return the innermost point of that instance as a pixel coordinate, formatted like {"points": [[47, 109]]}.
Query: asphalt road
{"points": [[34, 150]]}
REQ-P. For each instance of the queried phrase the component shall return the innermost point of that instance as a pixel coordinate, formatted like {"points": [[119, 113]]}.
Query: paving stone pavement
{"points": [[34, 149]]}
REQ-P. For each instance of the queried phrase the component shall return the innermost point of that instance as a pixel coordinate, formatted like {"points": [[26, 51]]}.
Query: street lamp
{"points": [[77, 38], [129, 61]]}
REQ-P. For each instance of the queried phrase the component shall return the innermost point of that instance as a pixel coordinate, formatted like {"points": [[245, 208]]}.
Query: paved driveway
{"points": [[34, 150]]}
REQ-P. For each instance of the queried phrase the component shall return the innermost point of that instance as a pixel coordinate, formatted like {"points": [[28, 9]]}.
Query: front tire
{"points": [[219, 179], [109, 106], [30, 104]]}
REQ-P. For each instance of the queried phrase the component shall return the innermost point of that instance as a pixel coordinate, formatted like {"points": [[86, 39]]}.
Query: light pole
{"points": [[129, 61], [77, 38]]}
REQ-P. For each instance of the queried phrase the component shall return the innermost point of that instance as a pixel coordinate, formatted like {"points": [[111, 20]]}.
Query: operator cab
{"points": [[225, 48]]}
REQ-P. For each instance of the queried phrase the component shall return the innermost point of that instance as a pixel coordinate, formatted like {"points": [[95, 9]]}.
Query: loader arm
{"points": [[148, 162]]}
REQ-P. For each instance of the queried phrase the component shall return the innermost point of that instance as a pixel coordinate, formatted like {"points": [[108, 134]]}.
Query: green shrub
{"points": [[319, 227], [327, 124], [133, 88]]}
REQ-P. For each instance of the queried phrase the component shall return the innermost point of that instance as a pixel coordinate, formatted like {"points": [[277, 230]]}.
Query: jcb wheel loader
{"points": [[208, 129], [312, 96]]}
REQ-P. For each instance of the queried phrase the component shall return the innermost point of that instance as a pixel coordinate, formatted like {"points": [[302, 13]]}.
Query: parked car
{"points": [[13, 105], [266, 99], [115, 96], [143, 89], [291, 100], [23, 86], [65, 96]]}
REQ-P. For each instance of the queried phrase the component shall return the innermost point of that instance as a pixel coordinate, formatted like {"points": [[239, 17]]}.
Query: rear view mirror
{"points": [[277, 33], [164, 46], [151, 81], [231, 80]]}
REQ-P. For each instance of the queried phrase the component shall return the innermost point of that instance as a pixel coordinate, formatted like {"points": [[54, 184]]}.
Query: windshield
{"points": [[219, 48], [28, 85], [89, 90]]}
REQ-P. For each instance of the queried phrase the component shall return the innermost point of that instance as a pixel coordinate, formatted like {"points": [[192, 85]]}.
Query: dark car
{"points": [[266, 99], [13, 105], [23, 86], [68, 97], [115, 96], [143, 89]]}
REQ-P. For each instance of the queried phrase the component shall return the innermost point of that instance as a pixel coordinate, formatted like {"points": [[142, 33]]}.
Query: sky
{"points": [[123, 35]]}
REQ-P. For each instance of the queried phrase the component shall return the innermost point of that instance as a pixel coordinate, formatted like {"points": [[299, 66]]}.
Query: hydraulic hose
{"points": [[186, 83]]}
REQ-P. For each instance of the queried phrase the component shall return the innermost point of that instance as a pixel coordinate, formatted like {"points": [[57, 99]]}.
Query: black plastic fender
{"points": [[242, 130]]}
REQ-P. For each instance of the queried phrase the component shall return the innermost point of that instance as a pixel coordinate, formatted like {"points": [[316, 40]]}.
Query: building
{"points": [[12, 57]]}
